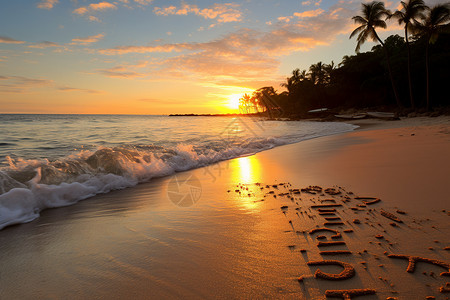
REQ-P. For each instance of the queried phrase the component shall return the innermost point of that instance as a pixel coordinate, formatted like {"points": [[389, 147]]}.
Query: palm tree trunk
{"points": [[428, 74], [411, 97], [397, 99]]}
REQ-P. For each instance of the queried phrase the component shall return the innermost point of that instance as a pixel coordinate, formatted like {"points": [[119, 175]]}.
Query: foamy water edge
{"points": [[86, 174]]}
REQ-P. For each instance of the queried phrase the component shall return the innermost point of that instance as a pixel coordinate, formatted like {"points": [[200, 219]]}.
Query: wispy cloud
{"points": [[143, 2], [91, 11], [45, 44], [143, 49], [8, 40], [309, 2], [283, 19], [47, 4], [120, 72], [72, 89], [102, 6], [87, 40], [223, 13], [93, 7], [20, 84], [246, 55], [309, 13], [125, 71]]}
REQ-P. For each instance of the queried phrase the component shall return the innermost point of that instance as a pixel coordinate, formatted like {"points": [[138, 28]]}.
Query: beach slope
{"points": [[370, 209]]}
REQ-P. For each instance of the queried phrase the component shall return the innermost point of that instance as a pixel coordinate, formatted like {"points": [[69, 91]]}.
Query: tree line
{"points": [[403, 72]]}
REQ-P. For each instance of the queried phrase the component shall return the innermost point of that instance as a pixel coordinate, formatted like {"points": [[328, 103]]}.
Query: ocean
{"points": [[49, 161]]}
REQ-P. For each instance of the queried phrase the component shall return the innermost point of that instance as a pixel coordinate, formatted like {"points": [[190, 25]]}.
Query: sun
{"points": [[233, 101]]}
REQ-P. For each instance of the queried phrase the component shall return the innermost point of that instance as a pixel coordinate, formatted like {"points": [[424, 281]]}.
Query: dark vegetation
{"points": [[399, 74]]}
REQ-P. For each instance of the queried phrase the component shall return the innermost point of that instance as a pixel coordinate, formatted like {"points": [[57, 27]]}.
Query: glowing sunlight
{"points": [[233, 101], [249, 169]]}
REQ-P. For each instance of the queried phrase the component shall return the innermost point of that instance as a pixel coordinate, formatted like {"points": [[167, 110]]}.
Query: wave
{"points": [[29, 186]]}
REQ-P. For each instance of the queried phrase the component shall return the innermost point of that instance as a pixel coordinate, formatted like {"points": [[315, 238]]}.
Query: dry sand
{"points": [[240, 240]]}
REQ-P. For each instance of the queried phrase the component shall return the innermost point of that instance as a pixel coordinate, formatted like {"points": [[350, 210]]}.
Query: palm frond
{"points": [[379, 23], [359, 19], [357, 30]]}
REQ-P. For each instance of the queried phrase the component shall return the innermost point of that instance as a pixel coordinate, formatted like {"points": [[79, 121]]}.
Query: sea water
{"points": [[57, 160]]}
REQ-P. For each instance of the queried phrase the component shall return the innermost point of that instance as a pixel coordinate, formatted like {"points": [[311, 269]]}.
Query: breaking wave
{"points": [[28, 186]]}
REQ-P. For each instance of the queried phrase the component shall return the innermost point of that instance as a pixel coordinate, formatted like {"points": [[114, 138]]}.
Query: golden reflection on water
{"points": [[247, 171]]}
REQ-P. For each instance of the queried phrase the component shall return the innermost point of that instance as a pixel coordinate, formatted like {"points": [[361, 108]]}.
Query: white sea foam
{"points": [[28, 186]]}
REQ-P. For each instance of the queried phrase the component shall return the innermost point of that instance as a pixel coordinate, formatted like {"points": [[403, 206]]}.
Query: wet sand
{"points": [[242, 240]]}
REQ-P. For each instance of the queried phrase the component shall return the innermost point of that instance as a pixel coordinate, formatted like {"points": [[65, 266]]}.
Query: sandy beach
{"points": [[245, 229]]}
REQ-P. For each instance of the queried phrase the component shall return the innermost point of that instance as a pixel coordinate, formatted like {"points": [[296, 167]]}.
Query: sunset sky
{"points": [[162, 56]]}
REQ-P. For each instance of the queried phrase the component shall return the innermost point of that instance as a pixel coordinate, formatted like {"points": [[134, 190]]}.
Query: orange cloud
{"points": [[142, 2], [94, 7], [309, 13], [309, 2], [81, 10], [8, 40], [284, 19], [142, 49], [87, 40], [102, 6], [166, 11], [47, 4], [93, 19], [246, 55], [223, 13]]}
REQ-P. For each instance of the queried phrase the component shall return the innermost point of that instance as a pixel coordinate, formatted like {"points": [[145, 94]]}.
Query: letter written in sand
{"points": [[333, 243], [347, 273], [390, 216], [368, 200], [336, 236], [335, 252], [332, 191], [414, 259]]}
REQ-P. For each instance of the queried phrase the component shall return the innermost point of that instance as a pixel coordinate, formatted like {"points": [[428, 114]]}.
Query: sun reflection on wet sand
{"points": [[248, 170]]}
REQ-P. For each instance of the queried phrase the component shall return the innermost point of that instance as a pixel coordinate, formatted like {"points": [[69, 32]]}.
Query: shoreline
{"points": [[232, 245]]}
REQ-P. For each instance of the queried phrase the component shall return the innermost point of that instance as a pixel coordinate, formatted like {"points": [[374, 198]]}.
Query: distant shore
{"points": [[215, 115], [335, 114]]}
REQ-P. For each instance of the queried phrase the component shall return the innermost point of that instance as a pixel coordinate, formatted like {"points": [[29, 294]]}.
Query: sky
{"points": [[163, 56]]}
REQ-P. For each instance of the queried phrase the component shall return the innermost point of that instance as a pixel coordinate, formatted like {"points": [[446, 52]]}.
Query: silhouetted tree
{"points": [[328, 71], [317, 73], [411, 10], [267, 96], [373, 15], [433, 23]]}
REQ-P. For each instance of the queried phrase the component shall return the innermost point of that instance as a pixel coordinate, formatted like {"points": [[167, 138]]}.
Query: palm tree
{"points": [[244, 102], [410, 11], [303, 75], [373, 15], [293, 81], [266, 99], [317, 73], [434, 22], [328, 71]]}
